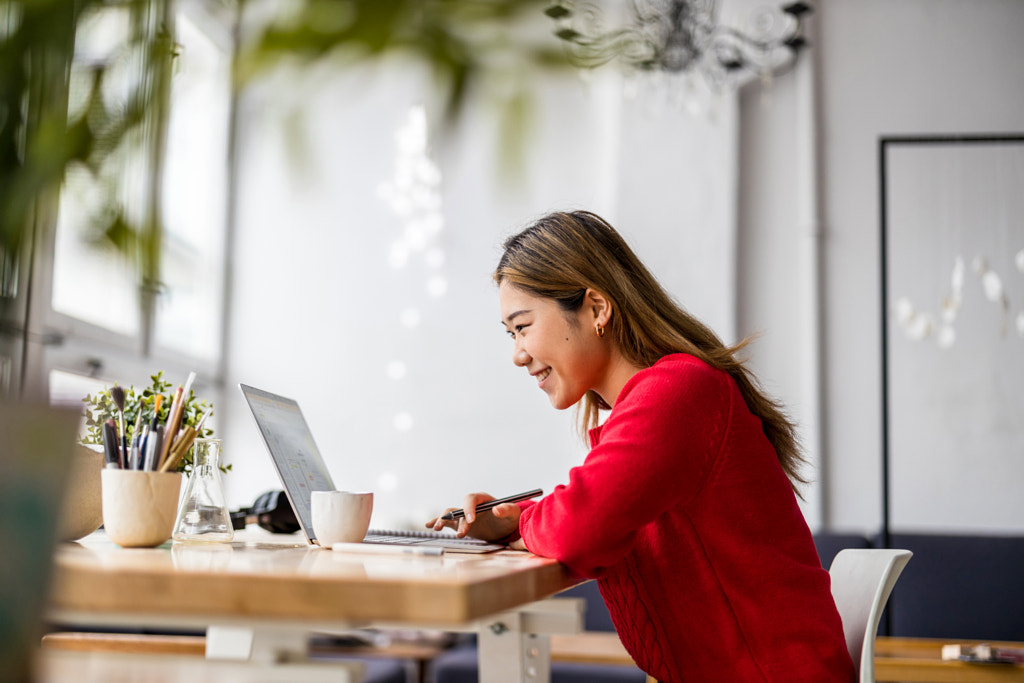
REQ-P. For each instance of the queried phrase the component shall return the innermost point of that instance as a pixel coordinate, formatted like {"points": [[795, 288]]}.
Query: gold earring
{"points": [[600, 330]]}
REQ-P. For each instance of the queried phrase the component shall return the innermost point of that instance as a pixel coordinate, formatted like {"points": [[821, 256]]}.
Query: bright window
{"points": [[94, 296]]}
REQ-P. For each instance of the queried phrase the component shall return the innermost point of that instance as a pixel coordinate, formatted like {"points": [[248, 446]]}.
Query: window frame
{"points": [[53, 340]]}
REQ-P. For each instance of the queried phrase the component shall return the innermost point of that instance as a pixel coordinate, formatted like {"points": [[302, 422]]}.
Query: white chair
{"points": [[862, 580]]}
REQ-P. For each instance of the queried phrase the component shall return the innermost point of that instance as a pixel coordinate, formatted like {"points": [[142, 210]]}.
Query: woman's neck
{"points": [[619, 372]]}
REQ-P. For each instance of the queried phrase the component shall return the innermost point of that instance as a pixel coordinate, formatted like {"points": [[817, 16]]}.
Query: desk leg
{"points": [[260, 646], [510, 655], [281, 651], [229, 642]]}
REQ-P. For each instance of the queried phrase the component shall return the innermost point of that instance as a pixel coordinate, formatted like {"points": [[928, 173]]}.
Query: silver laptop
{"points": [[297, 460]]}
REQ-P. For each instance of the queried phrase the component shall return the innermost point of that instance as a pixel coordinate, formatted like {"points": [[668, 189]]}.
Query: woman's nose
{"points": [[519, 355]]}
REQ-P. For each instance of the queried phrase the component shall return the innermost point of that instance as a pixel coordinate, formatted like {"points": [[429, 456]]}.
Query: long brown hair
{"points": [[562, 255]]}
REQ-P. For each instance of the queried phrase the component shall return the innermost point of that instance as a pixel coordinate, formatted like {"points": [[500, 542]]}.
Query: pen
{"points": [[482, 507], [386, 549], [136, 438], [153, 445], [138, 448]]}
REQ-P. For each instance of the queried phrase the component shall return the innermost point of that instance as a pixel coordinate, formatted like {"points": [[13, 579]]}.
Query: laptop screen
{"points": [[292, 449]]}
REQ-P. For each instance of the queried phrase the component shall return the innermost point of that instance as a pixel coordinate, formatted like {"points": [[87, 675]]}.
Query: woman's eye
{"points": [[517, 329]]}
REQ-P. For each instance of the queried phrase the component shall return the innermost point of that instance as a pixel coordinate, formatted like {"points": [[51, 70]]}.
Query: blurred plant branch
{"points": [[60, 112], [464, 42]]}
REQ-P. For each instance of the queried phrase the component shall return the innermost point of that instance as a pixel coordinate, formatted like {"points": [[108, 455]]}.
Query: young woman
{"points": [[685, 508]]}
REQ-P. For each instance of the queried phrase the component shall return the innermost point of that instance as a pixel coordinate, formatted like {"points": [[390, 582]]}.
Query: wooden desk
{"points": [[278, 589], [909, 660], [113, 667], [919, 660]]}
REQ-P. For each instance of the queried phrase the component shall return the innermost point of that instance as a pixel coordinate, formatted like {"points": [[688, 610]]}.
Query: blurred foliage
{"points": [[50, 126], [464, 42], [41, 138]]}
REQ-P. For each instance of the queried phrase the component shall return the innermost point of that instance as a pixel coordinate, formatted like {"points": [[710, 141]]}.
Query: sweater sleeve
{"points": [[653, 453]]}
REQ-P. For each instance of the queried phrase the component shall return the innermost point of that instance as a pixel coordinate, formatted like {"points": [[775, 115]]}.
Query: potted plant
{"points": [[82, 506], [142, 408]]}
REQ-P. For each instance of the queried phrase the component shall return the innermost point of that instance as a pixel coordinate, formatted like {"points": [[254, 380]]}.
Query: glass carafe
{"points": [[202, 513]]}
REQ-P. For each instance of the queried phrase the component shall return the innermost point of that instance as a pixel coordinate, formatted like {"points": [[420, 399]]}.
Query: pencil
{"points": [[178, 449], [173, 423], [483, 507]]}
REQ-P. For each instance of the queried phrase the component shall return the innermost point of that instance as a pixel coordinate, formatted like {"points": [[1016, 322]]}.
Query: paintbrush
{"points": [[110, 444], [158, 399], [117, 396]]}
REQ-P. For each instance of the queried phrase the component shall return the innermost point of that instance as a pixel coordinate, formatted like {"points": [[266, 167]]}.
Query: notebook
{"points": [[301, 469]]}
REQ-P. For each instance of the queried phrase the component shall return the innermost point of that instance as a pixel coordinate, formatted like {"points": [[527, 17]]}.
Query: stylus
{"points": [[483, 507]]}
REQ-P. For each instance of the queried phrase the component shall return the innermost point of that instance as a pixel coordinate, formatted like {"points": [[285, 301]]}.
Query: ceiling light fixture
{"points": [[676, 36]]}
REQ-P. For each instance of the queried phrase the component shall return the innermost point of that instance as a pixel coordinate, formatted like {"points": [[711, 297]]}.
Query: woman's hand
{"points": [[491, 525]]}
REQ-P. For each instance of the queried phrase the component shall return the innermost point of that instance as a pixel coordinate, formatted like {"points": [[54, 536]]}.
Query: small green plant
{"points": [[139, 410]]}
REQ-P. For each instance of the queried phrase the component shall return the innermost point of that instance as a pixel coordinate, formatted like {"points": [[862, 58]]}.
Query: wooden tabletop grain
{"points": [[267, 576]]}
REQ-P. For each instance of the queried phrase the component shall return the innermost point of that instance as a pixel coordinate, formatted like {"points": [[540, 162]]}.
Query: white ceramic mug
{"points": [[340, 516]]}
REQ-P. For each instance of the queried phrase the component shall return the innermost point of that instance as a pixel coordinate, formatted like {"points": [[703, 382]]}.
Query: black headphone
{"points": [[271, 511]]}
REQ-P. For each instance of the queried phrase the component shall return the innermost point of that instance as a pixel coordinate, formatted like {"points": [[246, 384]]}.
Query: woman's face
{"points": [[561, 351]]}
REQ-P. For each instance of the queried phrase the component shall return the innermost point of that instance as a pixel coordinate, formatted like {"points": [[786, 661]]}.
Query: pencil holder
{"points": [[139, 507]]}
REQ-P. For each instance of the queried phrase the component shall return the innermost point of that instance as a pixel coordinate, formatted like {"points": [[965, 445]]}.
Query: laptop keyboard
{"points": [[429, 538], [393, 540]]}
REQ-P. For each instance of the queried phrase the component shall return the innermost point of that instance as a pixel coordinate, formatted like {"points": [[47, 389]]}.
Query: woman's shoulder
{"points": [[676, 372], [682, 366], [675, 362]]}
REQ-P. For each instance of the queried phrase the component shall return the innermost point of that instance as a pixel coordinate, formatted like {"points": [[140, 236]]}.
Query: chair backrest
{"points": [[862, 580]]}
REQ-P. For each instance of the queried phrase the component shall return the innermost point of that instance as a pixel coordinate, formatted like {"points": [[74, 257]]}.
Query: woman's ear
{"points": [[599, 306]]}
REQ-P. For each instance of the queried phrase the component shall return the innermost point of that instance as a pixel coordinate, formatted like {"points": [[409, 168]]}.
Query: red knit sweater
{"points": [[684, 515]]}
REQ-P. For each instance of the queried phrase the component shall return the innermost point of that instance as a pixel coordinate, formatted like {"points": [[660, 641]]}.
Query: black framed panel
{"points": [[952, 328]]}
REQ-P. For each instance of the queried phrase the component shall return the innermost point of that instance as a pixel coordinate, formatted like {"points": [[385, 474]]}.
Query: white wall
{"points": [[885, 68], [316, 307], [771, 261]]}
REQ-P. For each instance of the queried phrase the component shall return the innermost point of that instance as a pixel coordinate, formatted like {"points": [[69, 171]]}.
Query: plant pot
{"points": [[139, 507], [82, 510]]}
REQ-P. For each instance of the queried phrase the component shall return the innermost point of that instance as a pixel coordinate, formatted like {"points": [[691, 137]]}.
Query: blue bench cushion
{"points": [[959, 587], [595, 616]]}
